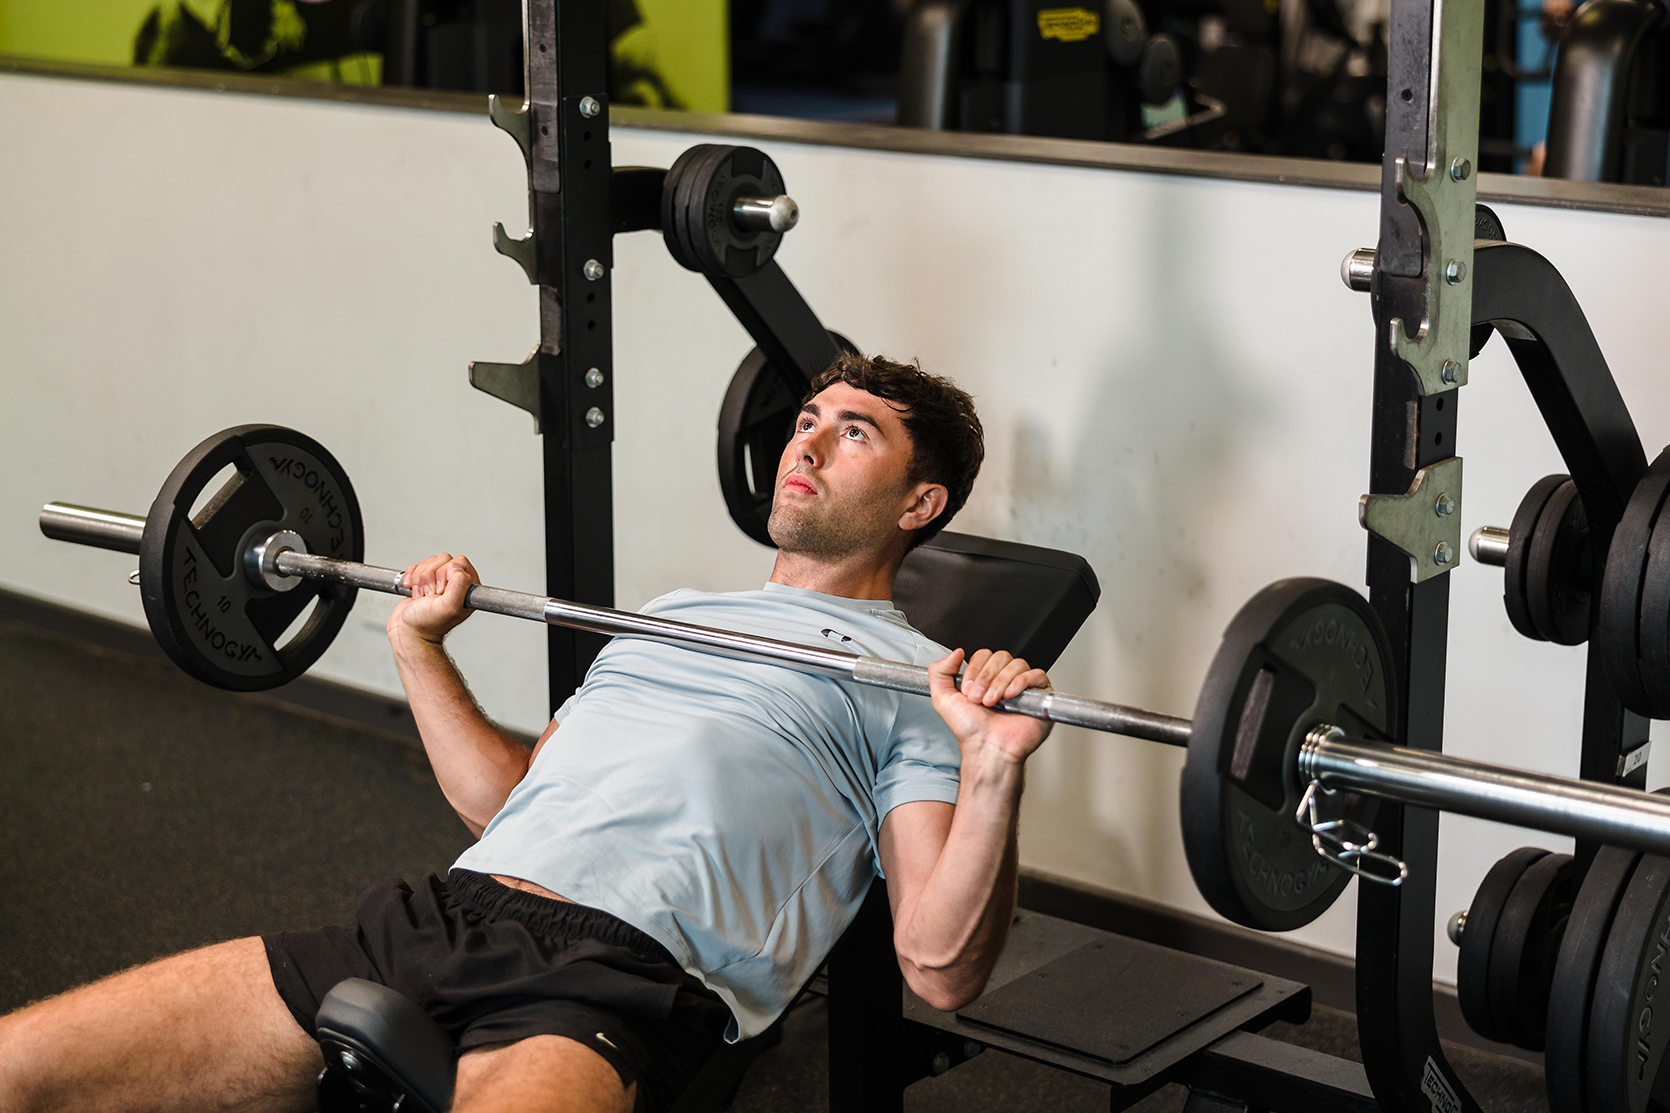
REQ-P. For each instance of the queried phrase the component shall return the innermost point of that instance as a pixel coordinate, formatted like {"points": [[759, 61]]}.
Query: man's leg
{"points": [[541, 1074], [204, 1030]]}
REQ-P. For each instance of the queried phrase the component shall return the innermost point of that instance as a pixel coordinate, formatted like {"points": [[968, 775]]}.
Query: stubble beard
{"points": [[830, 531]]}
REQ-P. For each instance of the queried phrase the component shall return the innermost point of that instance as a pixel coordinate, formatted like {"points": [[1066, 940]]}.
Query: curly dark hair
{"points": [[947, 441]]}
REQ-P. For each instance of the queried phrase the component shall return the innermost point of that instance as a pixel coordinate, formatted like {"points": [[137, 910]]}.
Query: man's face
{"points": [[841, 482]]}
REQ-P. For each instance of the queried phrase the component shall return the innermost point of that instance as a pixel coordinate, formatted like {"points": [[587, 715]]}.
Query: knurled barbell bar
{"points": [[1293, 722]]}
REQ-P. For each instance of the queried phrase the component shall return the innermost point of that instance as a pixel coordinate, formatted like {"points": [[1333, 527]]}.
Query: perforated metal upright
{"points": [[567, 383], [1422, 330]]}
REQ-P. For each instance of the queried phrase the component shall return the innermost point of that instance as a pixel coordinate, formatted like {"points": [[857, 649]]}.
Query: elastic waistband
{"points": [[553, 919]]}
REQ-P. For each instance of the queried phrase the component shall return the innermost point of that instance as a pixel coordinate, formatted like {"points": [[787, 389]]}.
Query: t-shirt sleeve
{"points": [[923, 761]]}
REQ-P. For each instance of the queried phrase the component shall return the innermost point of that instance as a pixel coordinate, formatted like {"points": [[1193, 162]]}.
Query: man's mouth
{"points": [[800, 483]]}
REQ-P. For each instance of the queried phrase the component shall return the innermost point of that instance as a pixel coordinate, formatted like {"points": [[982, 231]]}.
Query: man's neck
{"points": [[866, 576]]}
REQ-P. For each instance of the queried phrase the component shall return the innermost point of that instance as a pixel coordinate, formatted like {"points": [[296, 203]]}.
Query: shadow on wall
{"points": [[1153, 459]]}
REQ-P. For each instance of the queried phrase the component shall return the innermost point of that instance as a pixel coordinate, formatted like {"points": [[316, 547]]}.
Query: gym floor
{"points": [[143, 813]]}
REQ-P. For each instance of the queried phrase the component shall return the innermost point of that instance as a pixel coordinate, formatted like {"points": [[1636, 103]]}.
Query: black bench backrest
{"points": [[978, 593]]}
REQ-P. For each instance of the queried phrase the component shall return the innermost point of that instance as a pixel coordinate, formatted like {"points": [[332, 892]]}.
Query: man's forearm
{"points": [[475, 762], [953, 932]]}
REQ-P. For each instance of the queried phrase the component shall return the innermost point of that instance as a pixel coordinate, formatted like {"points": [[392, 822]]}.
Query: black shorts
{"points": [[494, 965]]}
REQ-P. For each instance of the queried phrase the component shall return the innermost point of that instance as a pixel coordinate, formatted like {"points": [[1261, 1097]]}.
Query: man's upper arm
{"points": [[912, 835], [544, 738]]}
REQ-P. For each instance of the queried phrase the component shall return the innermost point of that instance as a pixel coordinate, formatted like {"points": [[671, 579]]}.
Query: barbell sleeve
{"points": [[1608, 814], [83, 525]]}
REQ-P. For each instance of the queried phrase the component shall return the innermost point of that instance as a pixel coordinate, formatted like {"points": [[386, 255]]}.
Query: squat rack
{"points": [[1434, 304]]}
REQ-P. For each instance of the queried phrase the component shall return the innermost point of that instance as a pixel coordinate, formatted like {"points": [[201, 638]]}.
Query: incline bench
{"points": [[1133, 1014]]}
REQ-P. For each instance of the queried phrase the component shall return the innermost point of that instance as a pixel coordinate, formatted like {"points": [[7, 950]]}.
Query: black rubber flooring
{"points": [[143, 813]]}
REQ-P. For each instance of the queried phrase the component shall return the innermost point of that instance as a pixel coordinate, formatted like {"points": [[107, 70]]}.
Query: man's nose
{"points": [[813, 448]]}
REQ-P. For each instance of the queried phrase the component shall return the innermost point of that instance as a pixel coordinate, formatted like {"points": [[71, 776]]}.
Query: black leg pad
{"points": [[382, 1052]]}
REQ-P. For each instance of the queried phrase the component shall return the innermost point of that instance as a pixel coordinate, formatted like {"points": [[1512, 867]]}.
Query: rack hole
{"points": [[588, 164], [591, 296], [1437, 438], [1440, 405], [1407, 95]]}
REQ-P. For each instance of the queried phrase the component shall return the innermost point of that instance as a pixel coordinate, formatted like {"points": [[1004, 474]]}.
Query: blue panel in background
{"points": [[1531, 98]]}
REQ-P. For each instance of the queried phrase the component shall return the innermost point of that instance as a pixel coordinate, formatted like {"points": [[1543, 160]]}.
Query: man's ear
{"points": [[930, 503]]}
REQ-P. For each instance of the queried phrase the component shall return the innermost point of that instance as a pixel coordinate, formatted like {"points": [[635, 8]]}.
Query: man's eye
{"points": [[855, 433]]}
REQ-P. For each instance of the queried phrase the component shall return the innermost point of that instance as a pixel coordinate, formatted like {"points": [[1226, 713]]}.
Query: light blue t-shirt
{"points": [[729, 809]]}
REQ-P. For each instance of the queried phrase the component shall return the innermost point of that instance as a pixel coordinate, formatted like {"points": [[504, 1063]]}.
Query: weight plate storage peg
{"points": [[1623, 587], [216, 618], [756, 421], [1472, 979], [700, 218], [1629, 1021], [1302, 652]]}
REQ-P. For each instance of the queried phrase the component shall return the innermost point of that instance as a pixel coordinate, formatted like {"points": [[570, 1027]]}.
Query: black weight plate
{"points": [[206, 612], [1527, 940], [1472, 975], [1621, 588], [1626, 1032], [1515, 575], [1653, 619], [1557, 569], [669, 187], [688, 200], [676, 184], [1575, 971], [1302, 652], [720, 245], [756, 421]]}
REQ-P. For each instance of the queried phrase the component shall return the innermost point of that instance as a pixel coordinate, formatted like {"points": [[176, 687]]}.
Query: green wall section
{"points": [[686, 42], [94, 31]]}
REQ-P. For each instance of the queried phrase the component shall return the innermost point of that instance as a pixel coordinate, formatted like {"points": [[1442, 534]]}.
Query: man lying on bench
{"points": [[677, 855]]}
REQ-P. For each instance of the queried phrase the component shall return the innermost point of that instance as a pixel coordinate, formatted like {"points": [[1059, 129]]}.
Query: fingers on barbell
{"points": [[942, 674], [988, 675], [1027, 678], [424, 577], [1015, 677]]}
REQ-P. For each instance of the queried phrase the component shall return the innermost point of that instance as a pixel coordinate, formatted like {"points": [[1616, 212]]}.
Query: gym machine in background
{"points": [[1609, 118]]}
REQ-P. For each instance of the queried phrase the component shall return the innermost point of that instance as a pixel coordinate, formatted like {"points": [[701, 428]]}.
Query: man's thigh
{"points": [[541, 1074], [204, 1030]]}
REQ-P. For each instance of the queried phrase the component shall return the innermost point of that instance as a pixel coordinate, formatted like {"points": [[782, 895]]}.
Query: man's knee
{"points": [[183, 1032], [541, 1074]]}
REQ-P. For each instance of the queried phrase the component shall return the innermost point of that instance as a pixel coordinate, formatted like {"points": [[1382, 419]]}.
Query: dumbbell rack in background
{"points": [[722, 212]]}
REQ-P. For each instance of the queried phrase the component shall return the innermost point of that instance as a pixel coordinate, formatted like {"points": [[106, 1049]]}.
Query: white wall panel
{"points": [[1174, 382]]}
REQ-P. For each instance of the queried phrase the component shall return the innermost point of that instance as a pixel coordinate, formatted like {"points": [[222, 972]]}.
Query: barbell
{"points": [[1289, 747]]}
